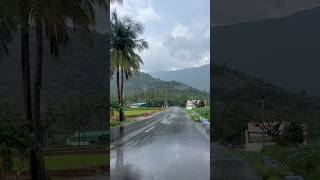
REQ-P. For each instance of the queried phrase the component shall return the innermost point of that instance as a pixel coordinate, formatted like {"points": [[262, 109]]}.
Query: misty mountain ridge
{"points": [[284, 51], [196, 77]]}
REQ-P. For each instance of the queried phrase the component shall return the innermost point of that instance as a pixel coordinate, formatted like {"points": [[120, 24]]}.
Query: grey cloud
{"points": [[186, 49], [234, 11]]}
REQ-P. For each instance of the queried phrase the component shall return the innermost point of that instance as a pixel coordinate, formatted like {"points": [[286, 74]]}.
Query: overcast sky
{"points": [[234, 11], [177, 31]]}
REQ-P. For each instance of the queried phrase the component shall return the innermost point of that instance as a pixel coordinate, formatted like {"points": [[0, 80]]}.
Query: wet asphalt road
{"points": [[225, 166], [172, 149]]}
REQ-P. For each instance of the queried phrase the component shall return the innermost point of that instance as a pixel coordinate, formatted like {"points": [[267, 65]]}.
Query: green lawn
{"points": [[64, 162]]}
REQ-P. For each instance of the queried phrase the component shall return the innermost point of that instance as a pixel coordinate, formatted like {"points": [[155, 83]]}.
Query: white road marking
{"points": [[149, 129]]}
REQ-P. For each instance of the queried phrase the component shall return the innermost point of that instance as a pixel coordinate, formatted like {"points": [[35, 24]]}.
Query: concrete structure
{"points": [[253, 136], [137, 105], [87, 138]]}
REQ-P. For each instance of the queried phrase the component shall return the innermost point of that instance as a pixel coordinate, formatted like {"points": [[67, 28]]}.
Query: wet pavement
{"points": [[225, 166], [171, 149]]}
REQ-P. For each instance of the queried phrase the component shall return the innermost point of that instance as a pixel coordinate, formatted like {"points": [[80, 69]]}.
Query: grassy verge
{"points": [[65, 162], [138, 111], [303, 160], [255, 159], [132, 113], [196, 113], [117, 123]]}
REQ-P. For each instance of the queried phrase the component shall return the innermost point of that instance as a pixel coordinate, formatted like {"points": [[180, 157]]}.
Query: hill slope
{"points": [[235, 88], [141, 85], [198, 77], [284, 51]]}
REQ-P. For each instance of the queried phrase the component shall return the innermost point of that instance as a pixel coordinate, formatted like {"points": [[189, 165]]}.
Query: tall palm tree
{"points": [[124, 43], [20, 11], [52, 17]]}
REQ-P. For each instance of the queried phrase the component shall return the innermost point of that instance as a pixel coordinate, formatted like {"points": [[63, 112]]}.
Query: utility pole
{"points": [[262, 121]]}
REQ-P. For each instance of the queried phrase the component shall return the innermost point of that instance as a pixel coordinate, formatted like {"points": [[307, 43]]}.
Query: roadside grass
{"points": [[196, 113], [138, 111], [65, 162], [204, 112], [131, 113], [117, 122], [303, 160], [194, 116], [255, 159]]}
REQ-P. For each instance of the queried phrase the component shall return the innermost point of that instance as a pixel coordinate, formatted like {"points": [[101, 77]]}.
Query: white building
{"points": [[191, 104]]}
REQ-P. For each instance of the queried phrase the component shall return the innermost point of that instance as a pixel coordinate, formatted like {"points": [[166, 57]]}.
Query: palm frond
{"points": [[124, 42]]}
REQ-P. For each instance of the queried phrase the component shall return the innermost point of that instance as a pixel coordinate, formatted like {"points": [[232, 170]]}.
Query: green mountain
{"points": [[283, 50], [237, 100], [143, 86], [197, 77], [79, 74]]}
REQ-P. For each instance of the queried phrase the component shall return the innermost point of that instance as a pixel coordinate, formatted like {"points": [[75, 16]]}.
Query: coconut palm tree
{"points": [[19, 11], [52, 17], [124, 43]]}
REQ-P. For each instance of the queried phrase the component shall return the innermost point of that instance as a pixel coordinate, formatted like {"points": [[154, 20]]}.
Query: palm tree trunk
{"points": [[121, 95], [37, 99], [121, 118], [25, 65], [38, 80]]}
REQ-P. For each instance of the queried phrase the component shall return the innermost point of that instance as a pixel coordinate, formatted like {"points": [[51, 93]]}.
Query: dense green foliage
{"points": [[232, 124], [196, 113], [14, 137], [155, 92], [292, 135], [201, 104]]}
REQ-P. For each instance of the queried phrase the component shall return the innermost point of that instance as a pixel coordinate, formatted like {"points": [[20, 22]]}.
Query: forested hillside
{"points": [[237, 101], [143, 87], [284, 51]]}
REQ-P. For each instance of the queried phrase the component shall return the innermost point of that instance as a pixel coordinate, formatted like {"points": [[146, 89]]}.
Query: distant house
{"points": [[253, 135], [137, 105], [192, 104]]}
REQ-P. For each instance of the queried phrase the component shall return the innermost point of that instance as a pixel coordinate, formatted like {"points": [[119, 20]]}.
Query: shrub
{"points": [[292, 135]]}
